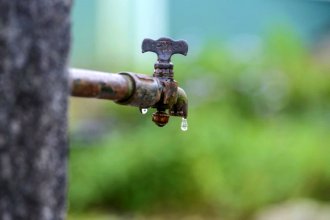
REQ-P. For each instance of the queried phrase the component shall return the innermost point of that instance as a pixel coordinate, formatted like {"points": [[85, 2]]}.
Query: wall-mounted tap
{"points": [[160, 91]]}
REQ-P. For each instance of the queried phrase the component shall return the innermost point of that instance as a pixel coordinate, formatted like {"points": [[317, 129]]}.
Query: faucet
{"points": [[159, 91]]}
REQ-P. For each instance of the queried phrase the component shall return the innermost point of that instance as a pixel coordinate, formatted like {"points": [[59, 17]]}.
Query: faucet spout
{"points": [[180, 108]]}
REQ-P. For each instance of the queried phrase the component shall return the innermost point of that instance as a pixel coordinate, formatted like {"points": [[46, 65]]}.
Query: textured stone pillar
{"points": [[34, 46]]}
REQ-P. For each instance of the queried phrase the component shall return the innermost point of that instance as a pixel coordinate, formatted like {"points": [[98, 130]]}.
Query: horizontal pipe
{"points": [[95, 84], [126, 89]]}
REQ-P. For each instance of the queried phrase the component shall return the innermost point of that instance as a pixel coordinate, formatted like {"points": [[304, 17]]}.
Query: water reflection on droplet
{"points": [[184, 124], [144, 111]]}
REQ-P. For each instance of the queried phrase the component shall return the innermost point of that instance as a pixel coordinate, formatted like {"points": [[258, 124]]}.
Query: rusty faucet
{"points": [[159, 91]]}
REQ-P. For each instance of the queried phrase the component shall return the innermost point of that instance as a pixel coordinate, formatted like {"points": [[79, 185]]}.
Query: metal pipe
{"points": [[96, 84], [146, 93], [124, 88]]}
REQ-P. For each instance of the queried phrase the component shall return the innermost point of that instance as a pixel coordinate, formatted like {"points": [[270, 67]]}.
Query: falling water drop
{"points": [[144, 111], [184, 124]]}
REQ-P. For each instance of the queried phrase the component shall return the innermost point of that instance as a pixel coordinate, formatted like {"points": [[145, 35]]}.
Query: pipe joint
{"points": [[146, 91]]}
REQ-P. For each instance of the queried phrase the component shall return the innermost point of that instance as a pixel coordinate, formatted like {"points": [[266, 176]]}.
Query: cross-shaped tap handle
{"points": [[165, 48]]}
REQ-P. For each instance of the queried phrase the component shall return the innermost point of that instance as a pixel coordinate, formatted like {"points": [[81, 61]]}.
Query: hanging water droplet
{"points": [[184, 124], [144, 111]]}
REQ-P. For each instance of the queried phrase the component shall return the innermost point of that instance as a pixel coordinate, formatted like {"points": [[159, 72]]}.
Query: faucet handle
{"points": [[165, 48]]}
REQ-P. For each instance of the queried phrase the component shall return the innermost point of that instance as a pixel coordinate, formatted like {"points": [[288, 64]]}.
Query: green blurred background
{"points": [[258, 80]]}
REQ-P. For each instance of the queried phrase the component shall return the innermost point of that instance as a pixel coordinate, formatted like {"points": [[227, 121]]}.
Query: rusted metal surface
{"points": [[147, 91], [163, 70], [165, 47], [159, 91], [180, 108], [95, 84], [124, 88], [160, 118]]}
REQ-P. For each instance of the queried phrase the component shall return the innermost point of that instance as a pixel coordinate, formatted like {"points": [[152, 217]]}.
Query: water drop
{"points": [[144, 111], [184, 124]]}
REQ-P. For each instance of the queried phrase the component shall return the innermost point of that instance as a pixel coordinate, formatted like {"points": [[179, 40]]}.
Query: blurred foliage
{"points": [[258, 134]]}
